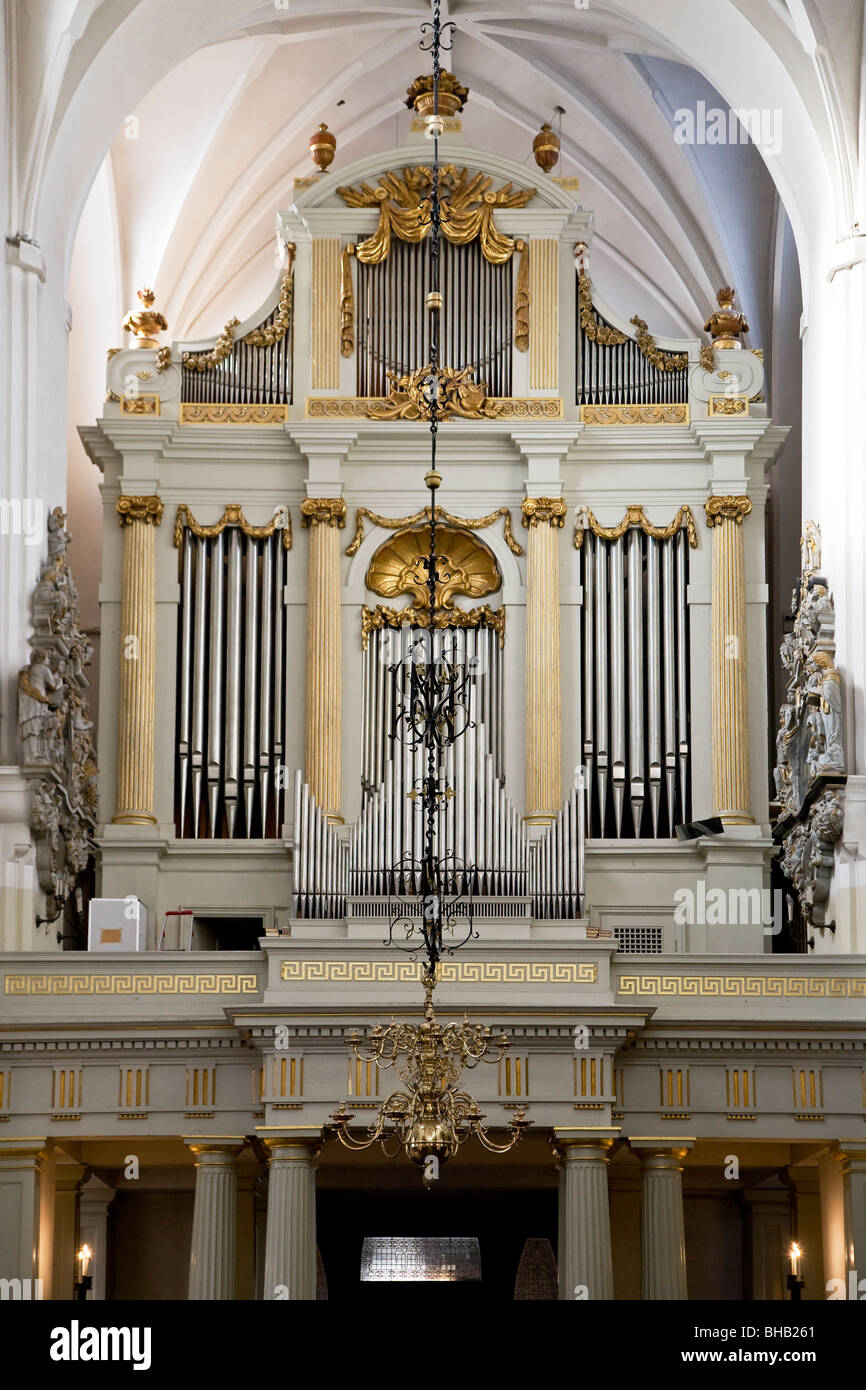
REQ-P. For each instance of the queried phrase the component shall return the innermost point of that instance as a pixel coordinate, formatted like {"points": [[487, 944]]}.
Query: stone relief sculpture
{"points": [[809, 739], [55, 730]]}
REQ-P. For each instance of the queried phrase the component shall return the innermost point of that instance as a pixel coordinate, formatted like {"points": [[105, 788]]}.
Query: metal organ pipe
{"points": [[669, 699], [602, 676], [617, 679], [682, 672], [233, 678], [635, 675], [653, 683], [250, 681], [198, 678], [185, 676]]}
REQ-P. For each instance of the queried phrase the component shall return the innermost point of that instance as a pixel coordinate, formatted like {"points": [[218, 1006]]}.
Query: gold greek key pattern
{"points": [[677, 414], [746, 986], [486, 972], [114, 983], [193, 413], [634, 516]]}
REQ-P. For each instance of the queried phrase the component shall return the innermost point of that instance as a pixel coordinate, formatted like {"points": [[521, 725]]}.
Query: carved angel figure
{"points": [[40, 695], [823, 691]]}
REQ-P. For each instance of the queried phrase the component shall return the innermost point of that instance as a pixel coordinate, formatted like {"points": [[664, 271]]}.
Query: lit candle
{"points": [[84, 1257], [795, 1254]]}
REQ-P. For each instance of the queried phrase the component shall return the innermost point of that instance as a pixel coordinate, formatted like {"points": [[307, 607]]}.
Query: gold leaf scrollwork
{"points": [[131, 509], [233, 516], [521, 299], [257, 337], [347, 303], [606, 336], [465, 523], [459, 394], [463, 566], [466, 209], [635, 516], [544, 510], [727, 508]]}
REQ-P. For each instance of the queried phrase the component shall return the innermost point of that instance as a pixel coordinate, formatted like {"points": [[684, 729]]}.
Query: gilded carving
{"points": [[380, 616], [257, 337], [323, 511], [539, 510], [466, 209], [635, 516], [521, 300], [607, 336], [233, 516], [676, 414], [141, 404], [729, 405], [347, 303], [131, 509], [198, 413], [719, 509], [56, 747], [465, 523], [379, 408], [463, 566], [458, 394]]}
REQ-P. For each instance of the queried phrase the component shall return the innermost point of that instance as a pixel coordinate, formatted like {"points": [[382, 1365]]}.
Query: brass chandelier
{"points": [[431, 1117]]}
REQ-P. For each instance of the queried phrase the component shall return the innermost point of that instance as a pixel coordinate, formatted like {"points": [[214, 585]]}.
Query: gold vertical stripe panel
{"points": [[729, 690], [137, 711], [324, 675], [325, 328], [544, 312], [543, 693]]}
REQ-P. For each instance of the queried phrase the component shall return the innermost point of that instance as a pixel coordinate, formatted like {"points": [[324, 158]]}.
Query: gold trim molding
{"points": [[257, 337], [130, 509], [729, 986], [537, 510], [729, 405], [115, 982], [635, 516], [727, 508], [372, 619], [488, 972], [215, 413], [674, 414], [501, 408], [323, 511], [141, 404], [466, 207], [607, 336], [233, 516], [463, 523]]}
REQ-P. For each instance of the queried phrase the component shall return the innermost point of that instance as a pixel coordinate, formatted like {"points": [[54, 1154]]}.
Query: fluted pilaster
{"points": [[543, 517], [730, 698], [324, 516], [290, 1243], [663, 1241], [139, 516], [585, 1258], [214, 1224]]}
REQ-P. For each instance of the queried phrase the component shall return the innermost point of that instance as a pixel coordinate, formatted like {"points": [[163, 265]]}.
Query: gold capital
{"points": [[541, 509], [325, 511], [131, 509], [727, 509]]}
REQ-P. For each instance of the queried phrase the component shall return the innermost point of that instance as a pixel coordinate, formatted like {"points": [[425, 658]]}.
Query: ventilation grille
{"points": [[639, 941]]}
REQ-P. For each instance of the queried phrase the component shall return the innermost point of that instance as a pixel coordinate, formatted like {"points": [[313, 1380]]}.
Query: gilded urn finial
{"points": [[323, 147], [146, 322], [545, 147], [452, 95], [726, 324]]}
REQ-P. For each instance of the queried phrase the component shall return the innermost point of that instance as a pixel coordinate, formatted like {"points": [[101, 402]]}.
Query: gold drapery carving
{"points": [[466, 210], [233, 516], [634, 516], [605, 336], [463, 566], [464, 523], [380, 616], [347, 302], [257, 337], [521, 299], [459, 394]]}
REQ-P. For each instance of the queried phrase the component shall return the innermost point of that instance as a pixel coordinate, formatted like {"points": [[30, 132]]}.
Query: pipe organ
{"points": [[636, 679], [231, 679], [279, 666], [476, 321]]}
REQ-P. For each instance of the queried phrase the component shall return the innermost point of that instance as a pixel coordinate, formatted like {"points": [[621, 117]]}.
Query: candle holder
{"points": [[795, 1284], [795, 1287], [84, 1283]]}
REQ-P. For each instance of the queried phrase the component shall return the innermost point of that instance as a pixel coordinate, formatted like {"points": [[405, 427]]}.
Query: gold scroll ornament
{"points": [[323, 511], [539, 510], [347, 303], [257, 337], [521, 300], [381, 616], [720, 509], [635, 516], [606, 336], [464, 523], [233, 516], [466, 210]]}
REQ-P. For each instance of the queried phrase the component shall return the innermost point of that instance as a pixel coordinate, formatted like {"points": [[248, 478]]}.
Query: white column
{"points": [[663, 1239], [21, 1170], [214, 1222], [585, 1257], [290, 1245]]}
